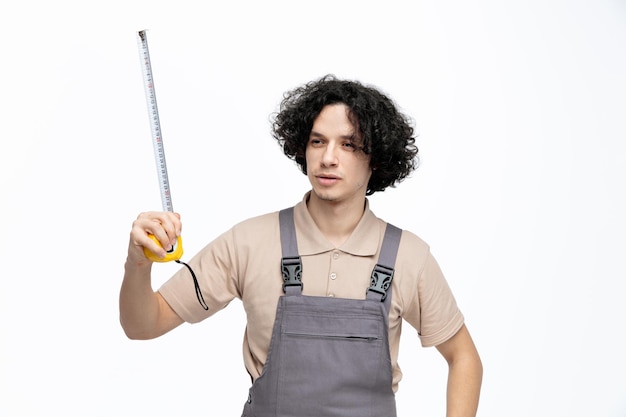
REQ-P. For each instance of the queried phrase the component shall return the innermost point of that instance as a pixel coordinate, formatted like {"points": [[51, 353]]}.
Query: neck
{"points": [[336, 220]]}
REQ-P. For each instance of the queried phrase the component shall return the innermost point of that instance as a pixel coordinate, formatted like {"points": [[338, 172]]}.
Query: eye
{"points": [[351, 146], [315, 141]]}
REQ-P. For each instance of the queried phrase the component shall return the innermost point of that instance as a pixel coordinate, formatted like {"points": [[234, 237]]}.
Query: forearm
{"points": [[464, 382], [144, 314], [139, 305]]}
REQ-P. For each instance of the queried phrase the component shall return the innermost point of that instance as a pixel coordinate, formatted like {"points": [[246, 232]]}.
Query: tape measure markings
{"points": [[155, 124]]}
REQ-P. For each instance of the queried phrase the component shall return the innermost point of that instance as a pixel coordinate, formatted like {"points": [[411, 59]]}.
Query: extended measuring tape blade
{"points": [[157, 142], [155, 124]]}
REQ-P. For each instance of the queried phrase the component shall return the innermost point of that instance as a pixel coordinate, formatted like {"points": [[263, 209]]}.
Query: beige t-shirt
{"points": [[244, 262]]}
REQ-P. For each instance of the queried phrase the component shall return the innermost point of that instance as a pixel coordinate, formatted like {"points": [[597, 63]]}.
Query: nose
{"points": [[329, 157]]}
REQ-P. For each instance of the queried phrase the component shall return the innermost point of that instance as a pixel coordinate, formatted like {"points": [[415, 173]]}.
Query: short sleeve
{"points": [[426, 301], [440, 317], [214, 268]]}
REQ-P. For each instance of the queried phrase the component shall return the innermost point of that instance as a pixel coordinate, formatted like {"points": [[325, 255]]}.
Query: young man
{"points": [[325, 284]]}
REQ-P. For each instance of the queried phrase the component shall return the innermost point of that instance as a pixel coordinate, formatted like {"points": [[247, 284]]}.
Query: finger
{"points": [[142, 238], [172, 226], [164, 227]]}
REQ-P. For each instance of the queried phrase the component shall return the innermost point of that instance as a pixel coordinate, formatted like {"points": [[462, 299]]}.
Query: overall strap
{"points": [[382, 275], [291, 264]]}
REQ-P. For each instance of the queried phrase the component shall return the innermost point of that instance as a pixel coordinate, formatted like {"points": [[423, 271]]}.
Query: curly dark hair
{"points": [[386, 135]]}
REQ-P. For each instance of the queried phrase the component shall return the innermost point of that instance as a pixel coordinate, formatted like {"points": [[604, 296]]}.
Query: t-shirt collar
{"points": [[312, 241]]}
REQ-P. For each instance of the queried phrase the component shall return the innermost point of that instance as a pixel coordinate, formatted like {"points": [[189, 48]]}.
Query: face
{"points": [[337, 168]]}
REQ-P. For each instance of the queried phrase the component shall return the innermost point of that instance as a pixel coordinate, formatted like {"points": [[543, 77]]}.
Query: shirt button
{"points": [[333, 276], [335, 255]]}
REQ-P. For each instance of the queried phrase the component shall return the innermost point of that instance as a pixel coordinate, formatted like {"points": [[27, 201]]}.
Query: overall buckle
{"points": [[292, 272], [380, 280]]}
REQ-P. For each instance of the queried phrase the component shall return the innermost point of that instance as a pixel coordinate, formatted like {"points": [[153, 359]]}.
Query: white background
{"points": [[521, 112]]}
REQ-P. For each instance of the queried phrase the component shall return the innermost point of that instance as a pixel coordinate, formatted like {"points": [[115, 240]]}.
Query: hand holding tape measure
{"points": [[159, 153]]}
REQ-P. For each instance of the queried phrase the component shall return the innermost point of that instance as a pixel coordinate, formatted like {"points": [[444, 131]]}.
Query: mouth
{"points": [[327, 176], [327, 179]]}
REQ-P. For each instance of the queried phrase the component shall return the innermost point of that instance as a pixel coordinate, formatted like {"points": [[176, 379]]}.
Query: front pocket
{"points": [[329, 363]]}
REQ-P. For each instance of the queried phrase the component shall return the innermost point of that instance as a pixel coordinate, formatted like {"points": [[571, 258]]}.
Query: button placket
{"points": [[334, 256], [332, 275]]}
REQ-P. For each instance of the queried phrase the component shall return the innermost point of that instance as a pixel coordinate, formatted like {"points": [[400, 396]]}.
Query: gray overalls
{"points": [[328, 357]]}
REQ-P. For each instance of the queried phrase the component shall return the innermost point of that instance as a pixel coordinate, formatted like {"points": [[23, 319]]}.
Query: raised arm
{"points": [[144, 314]]}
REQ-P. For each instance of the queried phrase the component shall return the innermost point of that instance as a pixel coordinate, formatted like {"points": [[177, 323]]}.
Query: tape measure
{"points": [[157, 141]]}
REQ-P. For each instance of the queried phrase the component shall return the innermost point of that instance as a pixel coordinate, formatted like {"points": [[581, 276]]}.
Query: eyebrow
{"points": [[352, 137]]}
